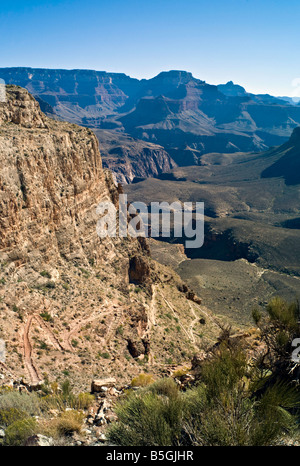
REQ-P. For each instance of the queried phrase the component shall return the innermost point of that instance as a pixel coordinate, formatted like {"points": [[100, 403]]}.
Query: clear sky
{"points": [[254, 43]]}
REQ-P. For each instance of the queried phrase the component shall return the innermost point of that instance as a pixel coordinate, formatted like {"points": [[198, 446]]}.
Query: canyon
{"points": [[171, 119], [72, 304]]}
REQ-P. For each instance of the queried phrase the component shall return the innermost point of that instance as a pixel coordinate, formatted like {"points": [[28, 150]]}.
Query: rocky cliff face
{"points": [[51, 183], [72, 303], [130, 158]]}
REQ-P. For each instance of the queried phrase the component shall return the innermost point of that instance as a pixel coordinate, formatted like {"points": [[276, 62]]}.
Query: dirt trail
{"points": [[151, 320], [54, 340], [68, 335], [32, 371], [190, 332], [152, 309], [175, 315], [192, 324]]}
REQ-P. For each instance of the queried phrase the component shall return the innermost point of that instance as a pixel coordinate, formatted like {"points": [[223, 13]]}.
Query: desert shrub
{"points": [[165, 387], [179, 373], [46, 316], [85, 400], [283, 313], [149, 417], [120, 330], [10, 415], [66, 388], [19, 431], [50, 284], [62, 398], [256, 315], [227, 409], [231, 405], [65, 424], [278, 330], [43, 345], [274, 413], [223, 373], [16, 411], [28, 403], [142, 380]]}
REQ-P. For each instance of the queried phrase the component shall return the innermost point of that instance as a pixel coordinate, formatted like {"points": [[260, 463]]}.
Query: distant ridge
{"points": [[288, 166], [185, 116]]}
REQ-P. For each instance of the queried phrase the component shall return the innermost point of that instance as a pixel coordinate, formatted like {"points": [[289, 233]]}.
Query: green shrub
{"points": [[85, 400], [149, 417], [120, 330], [256, 315], [278, 330], [66, 388], [19, 431], [46, 316], [231, 405], [28, 403], [227, 409], [10, 415], [50, 284], [65, 398], [16, 411], [43, 346], [179, 373], [142, 380], [284, 313]]}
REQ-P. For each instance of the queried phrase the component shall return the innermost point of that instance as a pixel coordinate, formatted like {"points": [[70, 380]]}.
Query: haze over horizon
{"points": [[247, 42]]}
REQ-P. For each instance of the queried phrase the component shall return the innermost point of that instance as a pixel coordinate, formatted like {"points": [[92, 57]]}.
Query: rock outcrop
{"points": [[130, 158]]}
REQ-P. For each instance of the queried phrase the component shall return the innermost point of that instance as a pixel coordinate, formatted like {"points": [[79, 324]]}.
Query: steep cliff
{"points": [[130, 158], [51, 183], [72, 304]]}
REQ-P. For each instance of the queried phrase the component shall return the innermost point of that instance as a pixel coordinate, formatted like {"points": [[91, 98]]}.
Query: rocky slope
{"points": [[72, 305], [288, 164]]}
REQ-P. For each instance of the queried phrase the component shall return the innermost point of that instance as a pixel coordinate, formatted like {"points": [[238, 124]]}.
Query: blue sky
{"points": [[251, 42]]}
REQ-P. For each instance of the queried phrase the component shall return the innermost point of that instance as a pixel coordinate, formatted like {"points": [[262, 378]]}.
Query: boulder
{"points": [[39, 440], [99, 385]]}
